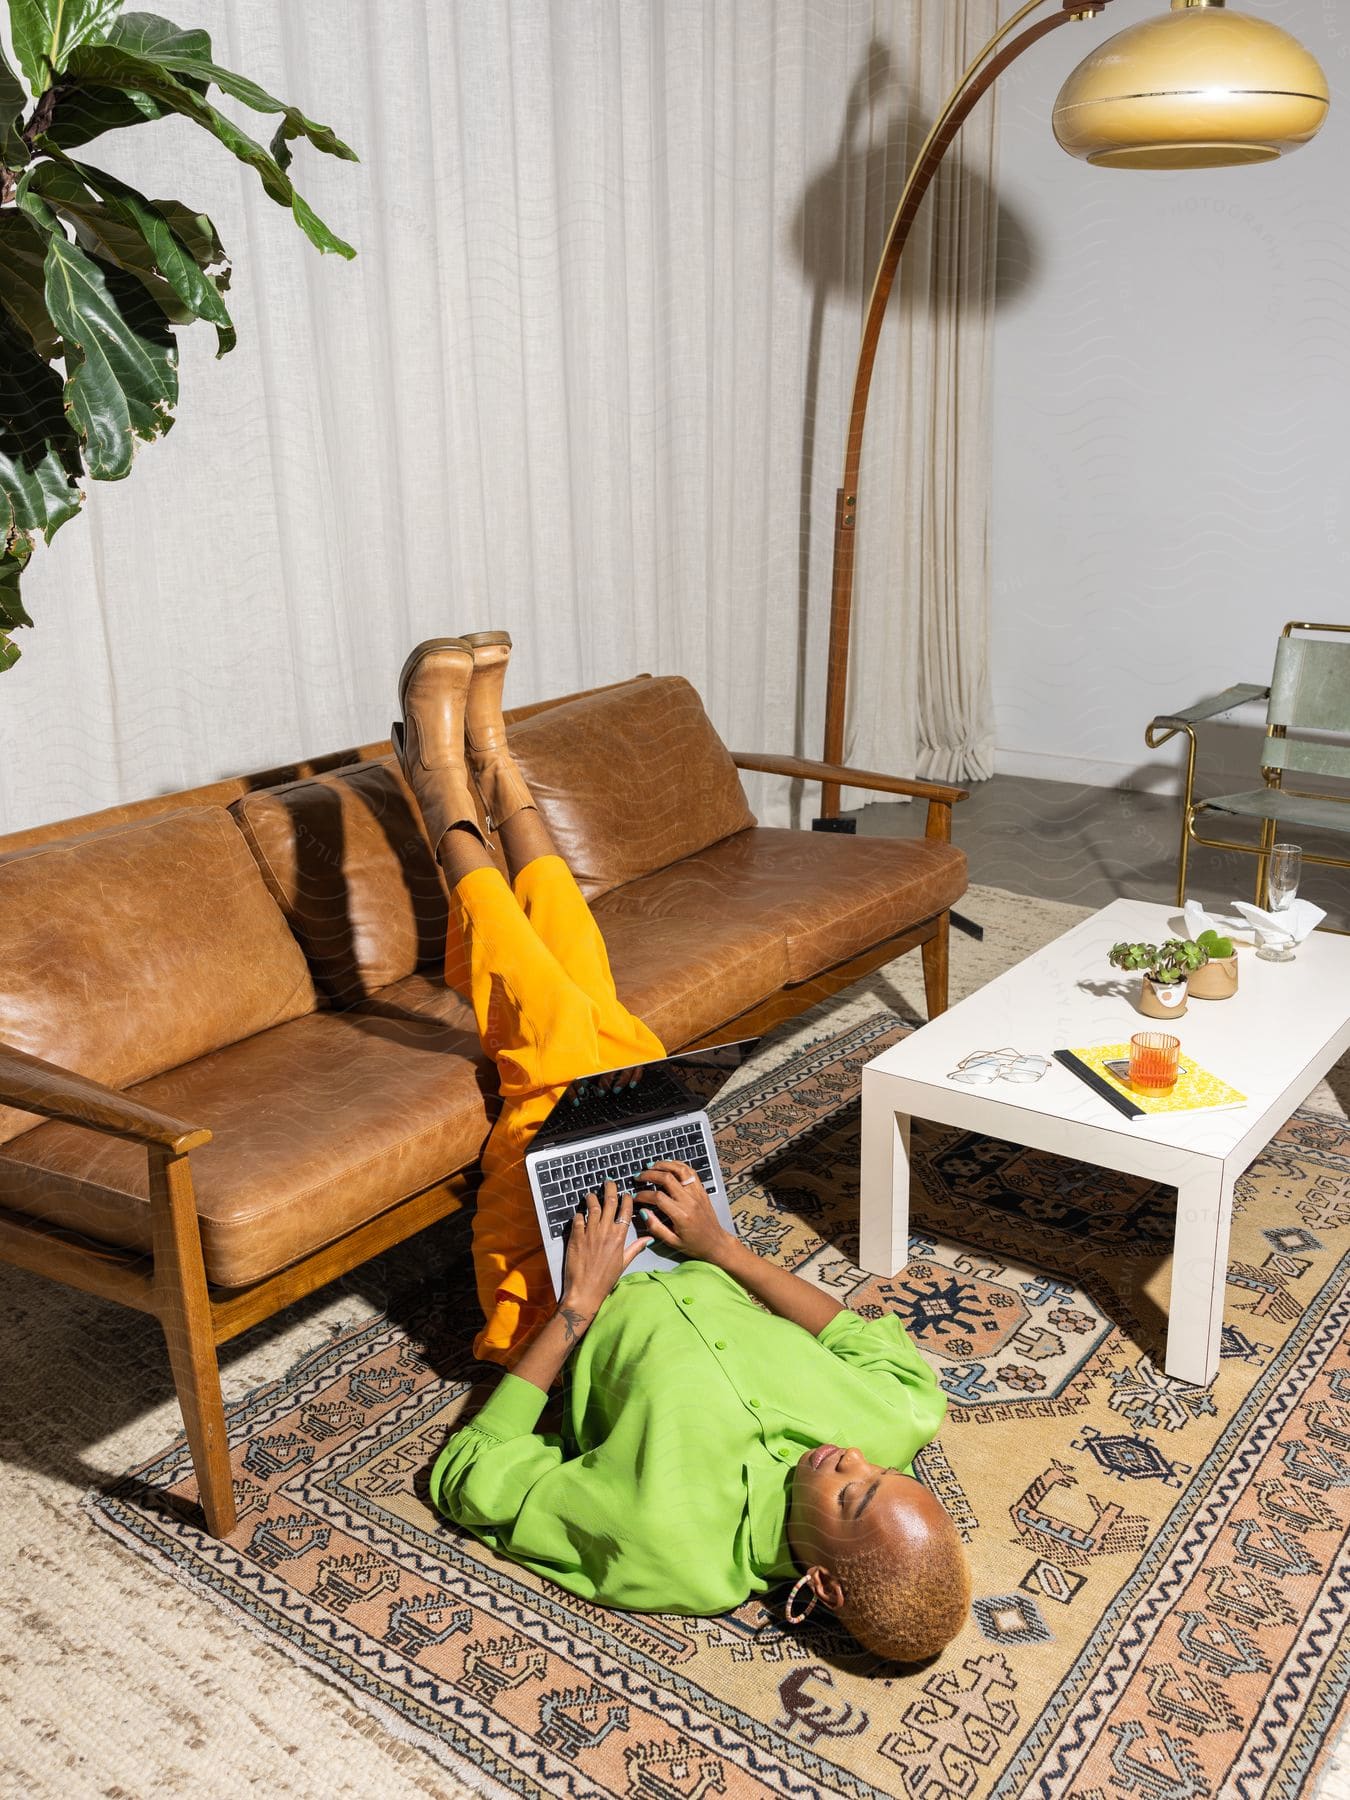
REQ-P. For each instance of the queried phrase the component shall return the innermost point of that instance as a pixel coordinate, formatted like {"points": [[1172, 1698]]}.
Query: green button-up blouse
{"points": [[687, 1407]]}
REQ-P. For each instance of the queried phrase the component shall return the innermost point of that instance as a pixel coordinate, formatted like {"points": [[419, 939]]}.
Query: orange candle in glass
{"points": [[1154, 1061]]}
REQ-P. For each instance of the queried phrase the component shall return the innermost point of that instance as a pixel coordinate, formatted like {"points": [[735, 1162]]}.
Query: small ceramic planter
{"points": [[1218, 979], [1157, 1002]]}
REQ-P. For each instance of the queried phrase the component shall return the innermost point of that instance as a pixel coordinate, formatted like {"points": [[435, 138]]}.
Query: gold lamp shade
{"points": [[1198, 88]]}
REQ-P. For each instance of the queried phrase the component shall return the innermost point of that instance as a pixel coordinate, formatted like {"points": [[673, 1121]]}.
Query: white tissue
{"points": [[1196, 920], [1288, 926]]}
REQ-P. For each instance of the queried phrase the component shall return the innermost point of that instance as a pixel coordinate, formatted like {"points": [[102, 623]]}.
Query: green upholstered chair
{"points": [[1307, 733]]}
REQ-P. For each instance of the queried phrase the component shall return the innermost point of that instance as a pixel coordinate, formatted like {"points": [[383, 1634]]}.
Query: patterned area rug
{"points": [[1160, 1589]]}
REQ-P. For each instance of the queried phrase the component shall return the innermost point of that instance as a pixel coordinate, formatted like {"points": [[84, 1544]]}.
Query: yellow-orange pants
{"points": [[538, 977]]}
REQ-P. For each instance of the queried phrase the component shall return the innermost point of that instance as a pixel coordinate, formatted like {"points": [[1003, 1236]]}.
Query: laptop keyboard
{"points": [[565, 1180]]}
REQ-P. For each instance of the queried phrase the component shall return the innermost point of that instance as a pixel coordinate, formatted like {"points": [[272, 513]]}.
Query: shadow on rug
{"points": [[1159, 1607]]}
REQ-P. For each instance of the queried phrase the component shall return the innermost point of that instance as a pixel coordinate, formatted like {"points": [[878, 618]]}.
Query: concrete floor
{"points": [[1089, 845]]}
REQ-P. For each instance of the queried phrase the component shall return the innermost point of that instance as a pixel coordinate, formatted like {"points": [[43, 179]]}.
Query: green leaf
{"points": [[39, 452], [125, 383], [188, 54], [106, 237], [202, 240], [46, 31], [23, 281], [13, 561], [121, 357], [1217, 946], [294, 124], [13, 100], [151, 247], [103, 233], [107, 65], [83, 113], [146, 34]]}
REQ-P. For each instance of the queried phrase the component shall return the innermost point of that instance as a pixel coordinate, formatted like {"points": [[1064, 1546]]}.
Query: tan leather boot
{"points": [[433, 690], [499, 779]]}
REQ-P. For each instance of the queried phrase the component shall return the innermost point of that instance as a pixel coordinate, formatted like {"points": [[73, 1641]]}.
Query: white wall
{"points": [[1172, 420]]}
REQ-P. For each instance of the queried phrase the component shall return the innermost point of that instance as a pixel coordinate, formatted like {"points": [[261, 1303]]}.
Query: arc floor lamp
{"points": [[1198, 88]]}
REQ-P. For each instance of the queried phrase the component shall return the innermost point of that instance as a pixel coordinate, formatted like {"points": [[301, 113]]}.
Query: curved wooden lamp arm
{"points": [[975, 82]]}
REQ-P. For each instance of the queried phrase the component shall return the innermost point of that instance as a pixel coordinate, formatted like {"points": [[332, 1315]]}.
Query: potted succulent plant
{"points": [[1217, 978], [1166, 969]]}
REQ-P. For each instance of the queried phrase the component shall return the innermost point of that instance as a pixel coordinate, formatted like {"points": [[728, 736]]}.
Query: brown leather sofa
{"points": [[231, 1063]]}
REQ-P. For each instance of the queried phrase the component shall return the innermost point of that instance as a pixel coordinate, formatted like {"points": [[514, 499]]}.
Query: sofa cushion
{"points": [[819, 898], [320, 1125], [630, 779], [130, 951], [681, 962], [834, 897], [348, 861]]}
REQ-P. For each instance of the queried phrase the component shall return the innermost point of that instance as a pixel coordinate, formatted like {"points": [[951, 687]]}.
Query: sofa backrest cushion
{"points": [[630, 779], [347, 860], [131, 951]]}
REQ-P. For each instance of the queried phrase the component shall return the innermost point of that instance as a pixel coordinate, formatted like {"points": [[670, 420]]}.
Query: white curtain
{"points": [[587, 379]]}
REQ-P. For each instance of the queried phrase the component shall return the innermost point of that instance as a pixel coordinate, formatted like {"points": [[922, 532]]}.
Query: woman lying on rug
{"points": [[701, 1457]]}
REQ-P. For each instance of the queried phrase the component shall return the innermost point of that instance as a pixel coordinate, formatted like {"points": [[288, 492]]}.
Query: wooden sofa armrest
{"points": [[800, 768], [35, 1086], [175, 1290]]}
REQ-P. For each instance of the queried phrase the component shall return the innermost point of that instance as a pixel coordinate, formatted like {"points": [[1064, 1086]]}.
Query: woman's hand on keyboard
{"points": [[596, 1256], [686, 1221]]}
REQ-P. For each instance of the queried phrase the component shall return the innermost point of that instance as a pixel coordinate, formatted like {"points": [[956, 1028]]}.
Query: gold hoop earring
{"points": [[795, 1618]]}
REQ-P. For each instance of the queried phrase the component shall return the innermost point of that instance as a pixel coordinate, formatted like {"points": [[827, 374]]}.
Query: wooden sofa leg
{"points": [[935, 954], [184, 1309]]}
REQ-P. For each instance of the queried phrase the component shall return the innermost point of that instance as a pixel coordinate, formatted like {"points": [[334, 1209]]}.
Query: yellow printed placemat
{"points": [[1196, 1089]]}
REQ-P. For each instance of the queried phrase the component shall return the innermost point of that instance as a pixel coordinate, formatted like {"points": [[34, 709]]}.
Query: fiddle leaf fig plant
{"points": [[94, 277]]}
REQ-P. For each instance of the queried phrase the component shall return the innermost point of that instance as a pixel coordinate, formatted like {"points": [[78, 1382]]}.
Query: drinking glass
{"points": [[1283, 871], [1154, 1061]]}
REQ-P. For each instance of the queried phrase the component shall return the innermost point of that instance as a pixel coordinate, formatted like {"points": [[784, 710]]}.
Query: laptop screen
{"points": [[671, 1085]]}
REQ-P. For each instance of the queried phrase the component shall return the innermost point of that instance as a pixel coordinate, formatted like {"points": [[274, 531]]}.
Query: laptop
{"points": [[593, 1133]]}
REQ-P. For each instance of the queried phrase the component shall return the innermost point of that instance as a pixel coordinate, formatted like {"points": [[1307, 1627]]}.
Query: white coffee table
{"points": [[1274, 1040]]}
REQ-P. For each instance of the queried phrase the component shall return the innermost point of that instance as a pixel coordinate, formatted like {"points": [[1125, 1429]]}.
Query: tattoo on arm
{"points": [[574, 1323]]}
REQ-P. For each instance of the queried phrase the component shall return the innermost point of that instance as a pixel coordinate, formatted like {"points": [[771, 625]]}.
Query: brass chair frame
{"points": [[1273, 770]]}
